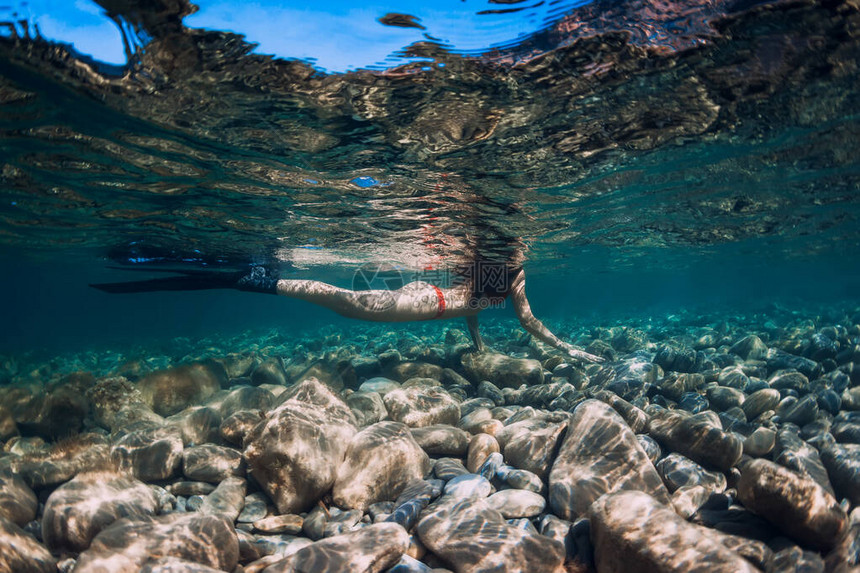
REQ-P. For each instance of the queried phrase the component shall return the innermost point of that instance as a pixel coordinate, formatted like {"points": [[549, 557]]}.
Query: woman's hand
{"points": [[574, 352]]}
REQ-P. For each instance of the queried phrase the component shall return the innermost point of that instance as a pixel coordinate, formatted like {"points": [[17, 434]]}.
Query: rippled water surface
{"points": [[635, 152]]}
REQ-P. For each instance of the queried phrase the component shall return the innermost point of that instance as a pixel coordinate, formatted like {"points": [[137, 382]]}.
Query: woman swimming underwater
{"points": [[417, 300]]}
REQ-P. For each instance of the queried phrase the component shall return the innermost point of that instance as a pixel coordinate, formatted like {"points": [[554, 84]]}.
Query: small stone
{"points": [[788, 380], [246, 398], [759, 402], [256, 508], [480, 448], [290, 524], [794, 453], [760, 442], [650, 446], [520, 479], [191, 488], [315, 522], [491, 466], [516, 503], [469, 485], [340, 522], [487, 389], [532, 444], [197, 425], [687, 500], [448, 468], [723, 398], [678, 471], [295, 452], [635, 417]]}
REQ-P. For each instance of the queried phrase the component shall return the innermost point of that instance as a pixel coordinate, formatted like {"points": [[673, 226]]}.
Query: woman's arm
{"points": [[536, 328]]}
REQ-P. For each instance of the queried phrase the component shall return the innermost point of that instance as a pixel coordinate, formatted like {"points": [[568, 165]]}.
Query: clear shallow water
{"points": [[647, 158]]}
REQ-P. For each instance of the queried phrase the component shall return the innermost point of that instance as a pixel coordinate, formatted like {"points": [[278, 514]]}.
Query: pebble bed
{"points": [[701, 443]]}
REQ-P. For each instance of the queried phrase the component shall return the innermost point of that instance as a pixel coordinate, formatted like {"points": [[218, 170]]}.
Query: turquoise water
{"points": [[645, 161]]}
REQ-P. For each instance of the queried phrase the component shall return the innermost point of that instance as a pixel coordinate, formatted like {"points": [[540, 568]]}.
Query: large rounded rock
{"points": [[795, 504], [367, 407], [197, 424], [212, 463], [227, 500], [632, 531], [129, 545], [749, 348], [600, 454], [270, 371], [474, 538], [151, 454], [169, 391], [531, 444], [18, 503], [516, 503], [795, 454], [79, 509], [371, 549], [111, 396], [294, 453], [481, 446], [696, 437], [21, 553], [420, 406], [502, 370], [380, 461], [759, 402], [246, 398], [441, 440]]}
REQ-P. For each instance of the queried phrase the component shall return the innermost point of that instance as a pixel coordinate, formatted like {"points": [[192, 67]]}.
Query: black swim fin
{"points": [[187, 281], [256, 279]]}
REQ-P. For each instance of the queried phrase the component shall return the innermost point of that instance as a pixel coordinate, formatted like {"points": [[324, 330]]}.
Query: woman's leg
{"points": [[415, 301]]}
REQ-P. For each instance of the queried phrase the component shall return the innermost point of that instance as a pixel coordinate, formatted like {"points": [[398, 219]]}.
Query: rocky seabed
{"points": [[699, 444]]}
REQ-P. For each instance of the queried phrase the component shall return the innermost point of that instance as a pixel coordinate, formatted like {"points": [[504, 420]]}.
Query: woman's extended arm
{"points": [[536, 328]]}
